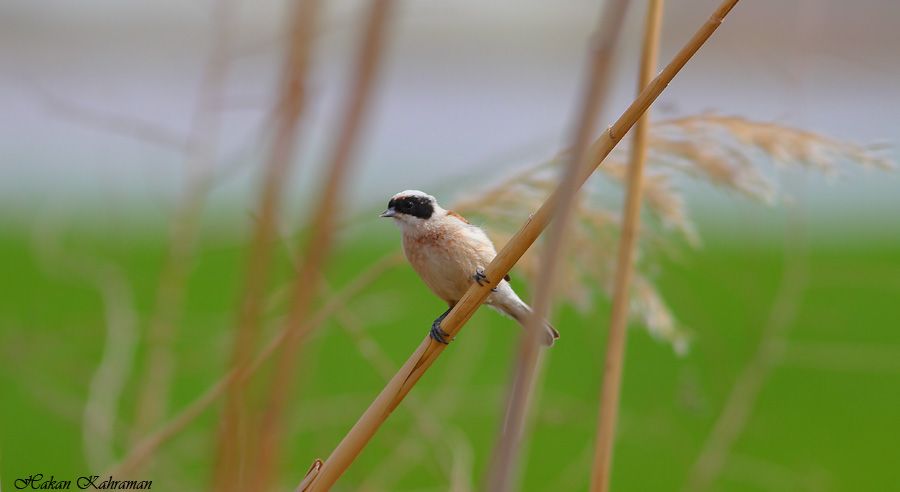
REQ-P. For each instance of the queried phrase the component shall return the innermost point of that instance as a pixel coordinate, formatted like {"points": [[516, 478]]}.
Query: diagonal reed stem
{"points": [[321, 237], [615, 346], [428, 350], [503, 471]]}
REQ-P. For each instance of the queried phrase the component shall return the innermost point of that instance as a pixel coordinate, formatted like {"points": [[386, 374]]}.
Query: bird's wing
{"points": [[455, 215], [481, 235]]}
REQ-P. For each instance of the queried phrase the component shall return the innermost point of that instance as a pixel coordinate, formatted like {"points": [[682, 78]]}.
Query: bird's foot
{"points": [[479, 277], [437, 333]]}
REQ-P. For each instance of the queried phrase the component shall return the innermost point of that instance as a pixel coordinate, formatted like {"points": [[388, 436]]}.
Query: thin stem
{"points": [[321, 234], [144, 131], [426, 426], [631, 215], [233, 432], [145, 449], [428, 350], [453, 394], [771, 351], [99, 419], [110, 377], [156, 378], [502, 474]]}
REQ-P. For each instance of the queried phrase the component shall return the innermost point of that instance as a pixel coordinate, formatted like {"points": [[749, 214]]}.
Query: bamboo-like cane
{"points": [[320, 244], [503, 472], [428, 350], [615, 345], [233, 432]]}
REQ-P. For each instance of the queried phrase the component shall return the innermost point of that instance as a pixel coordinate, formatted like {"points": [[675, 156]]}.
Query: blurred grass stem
{"points": [[316, 254], [739, 405], [153, 390], [143, 450], [232, 447]]}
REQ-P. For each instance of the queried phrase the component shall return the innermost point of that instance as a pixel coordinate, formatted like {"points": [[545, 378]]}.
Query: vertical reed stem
{"points": [[143, 450], [503, 472], [231, 451], [428, 351], [615, 347], [306, 282]]}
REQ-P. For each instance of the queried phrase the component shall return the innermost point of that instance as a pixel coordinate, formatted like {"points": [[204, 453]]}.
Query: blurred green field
{"points": [[827, 418]]}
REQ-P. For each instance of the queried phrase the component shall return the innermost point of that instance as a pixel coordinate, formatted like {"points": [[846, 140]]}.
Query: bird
{"points": [[449, 254]]}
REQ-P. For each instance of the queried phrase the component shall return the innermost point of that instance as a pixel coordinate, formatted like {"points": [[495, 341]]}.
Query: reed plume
{"points": [[730, 153]]}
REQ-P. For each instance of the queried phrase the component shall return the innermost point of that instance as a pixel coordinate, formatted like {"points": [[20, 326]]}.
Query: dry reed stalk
{"points": [[394, 465], [615, 344], [144, 450], [428, 350], [426, 426], [369, 349], [321, 234], [503, 471], [233, 431], [382, 363], [153, 393], [336, 302]]}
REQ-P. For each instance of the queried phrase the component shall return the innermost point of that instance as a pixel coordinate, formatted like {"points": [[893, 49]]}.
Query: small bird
{"points": [[449, 254]]}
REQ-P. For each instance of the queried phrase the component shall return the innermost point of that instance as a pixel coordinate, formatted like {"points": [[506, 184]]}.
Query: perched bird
{"points": [[449, 254]]}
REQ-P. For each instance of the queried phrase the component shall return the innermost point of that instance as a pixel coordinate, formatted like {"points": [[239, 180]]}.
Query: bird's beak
{"points": [[389, 212]]}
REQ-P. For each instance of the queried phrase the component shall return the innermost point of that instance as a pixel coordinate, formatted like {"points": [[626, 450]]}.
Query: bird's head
{"points": [[411, 208]]}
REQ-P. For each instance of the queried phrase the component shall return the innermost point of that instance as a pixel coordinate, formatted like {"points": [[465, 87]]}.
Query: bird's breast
{"points": [[442, 264]]}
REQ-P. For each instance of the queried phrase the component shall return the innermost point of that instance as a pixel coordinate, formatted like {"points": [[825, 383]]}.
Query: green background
{"points": [[827, 415]]}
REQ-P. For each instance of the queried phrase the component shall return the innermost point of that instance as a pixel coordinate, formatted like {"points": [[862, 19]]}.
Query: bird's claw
{"points": [[479, 277], [437, 334]]}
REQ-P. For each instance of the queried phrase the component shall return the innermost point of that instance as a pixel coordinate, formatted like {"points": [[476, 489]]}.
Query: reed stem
{"points": [[155, 380], [143, 450], [233, 432], [316, 254], [631, 215]]}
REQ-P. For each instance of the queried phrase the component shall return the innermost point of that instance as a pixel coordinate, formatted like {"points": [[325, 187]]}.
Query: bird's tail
{"points": [[520, 311], [552, 334]]}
